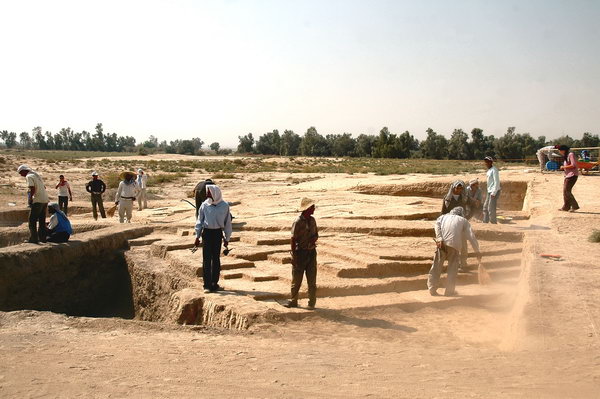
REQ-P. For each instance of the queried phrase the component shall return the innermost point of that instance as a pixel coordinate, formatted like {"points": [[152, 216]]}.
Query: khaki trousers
{"points": [[142, 198], [441, 255], [125, 210]]}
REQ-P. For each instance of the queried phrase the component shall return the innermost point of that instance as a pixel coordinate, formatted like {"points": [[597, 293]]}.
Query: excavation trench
{"points": [[86, 277], [112, 272]]}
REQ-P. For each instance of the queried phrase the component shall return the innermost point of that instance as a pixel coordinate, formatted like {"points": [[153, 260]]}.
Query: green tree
{"points": [[458, 146], [215, 147], [364, 145], [589, 140], [435, 146], [38, 138], [269, 143], [384, 145], [314, 144], [290, 143], [152, 142], [98, 139], [246, 145], [342, 145], [407, 144], [25, 140]]}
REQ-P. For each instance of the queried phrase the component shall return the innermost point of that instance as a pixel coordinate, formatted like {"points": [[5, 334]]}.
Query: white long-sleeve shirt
{"points": [[452, 230], [547, 150], [493, 180], [126, 191], [142, 181], [214, 217]]}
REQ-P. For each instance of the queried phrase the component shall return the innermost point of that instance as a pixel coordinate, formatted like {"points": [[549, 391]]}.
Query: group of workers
{"points": [[58, 229], [213, 226]]}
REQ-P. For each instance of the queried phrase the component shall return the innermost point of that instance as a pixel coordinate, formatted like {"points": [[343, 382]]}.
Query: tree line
{"points": [[70, 140], [460, 145]]}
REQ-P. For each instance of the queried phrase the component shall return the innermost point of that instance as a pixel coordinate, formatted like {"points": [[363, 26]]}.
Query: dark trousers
{"points": [[569, 198], [306, 262], [63, 203], [211, 257], [37, 222], [97, 201], [61, 236]]}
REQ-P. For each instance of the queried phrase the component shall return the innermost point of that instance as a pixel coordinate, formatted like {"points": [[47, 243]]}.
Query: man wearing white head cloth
{"points": [[142, 182], [474, 200], [451, 232], [213, 226]]}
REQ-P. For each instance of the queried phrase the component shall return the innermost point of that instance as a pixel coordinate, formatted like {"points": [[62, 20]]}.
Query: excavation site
{"points": [[130, 296]]}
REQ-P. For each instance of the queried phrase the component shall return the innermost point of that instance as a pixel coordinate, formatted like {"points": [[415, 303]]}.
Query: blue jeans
{"points": [[489, 208]]}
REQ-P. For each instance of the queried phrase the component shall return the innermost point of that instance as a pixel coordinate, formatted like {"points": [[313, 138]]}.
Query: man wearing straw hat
{"points": [[125, 196], [304, 253]]}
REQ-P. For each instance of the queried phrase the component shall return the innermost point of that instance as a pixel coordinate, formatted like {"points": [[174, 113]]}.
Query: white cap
{"points": [[22, 168], [140, 171], [94, 173]]}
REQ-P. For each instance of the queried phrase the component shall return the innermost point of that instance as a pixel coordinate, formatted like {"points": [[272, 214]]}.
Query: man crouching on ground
{"points": [[304, 253], [451, 231]]}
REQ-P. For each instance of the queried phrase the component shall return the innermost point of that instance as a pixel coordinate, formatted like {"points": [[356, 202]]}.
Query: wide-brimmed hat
{"points": [[306, 203], [124, 174]]}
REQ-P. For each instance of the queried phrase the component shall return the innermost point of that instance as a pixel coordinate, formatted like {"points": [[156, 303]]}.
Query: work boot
{"points": [[433, 292], [206, 291], [311, 306], [291, 304]]}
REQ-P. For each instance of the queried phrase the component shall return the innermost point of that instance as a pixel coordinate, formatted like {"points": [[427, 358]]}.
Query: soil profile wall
{"points": [[86, 276], [512, 196]]}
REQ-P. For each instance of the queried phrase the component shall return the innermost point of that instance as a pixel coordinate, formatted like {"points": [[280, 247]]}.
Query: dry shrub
{"points": [[595, 236]]}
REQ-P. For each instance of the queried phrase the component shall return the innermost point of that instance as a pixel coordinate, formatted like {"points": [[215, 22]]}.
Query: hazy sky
{"points": [[219, 69]]}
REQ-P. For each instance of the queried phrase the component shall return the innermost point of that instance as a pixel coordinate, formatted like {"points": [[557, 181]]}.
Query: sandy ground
{"points": [[536, 336]]}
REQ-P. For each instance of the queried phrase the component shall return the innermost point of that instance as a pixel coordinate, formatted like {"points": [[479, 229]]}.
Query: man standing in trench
{"points": [[451, 232], [37, 199], [304, 253]]}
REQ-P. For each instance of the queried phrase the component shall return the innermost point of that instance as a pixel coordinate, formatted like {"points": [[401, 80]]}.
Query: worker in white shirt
{"points": [[544, 155], [451, 232], [142, 180], [64, 194], [37, 199], [493, 192], [126, 194]]}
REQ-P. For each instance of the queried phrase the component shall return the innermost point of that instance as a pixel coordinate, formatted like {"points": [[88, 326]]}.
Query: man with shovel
{"points": [[451, 231]]}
